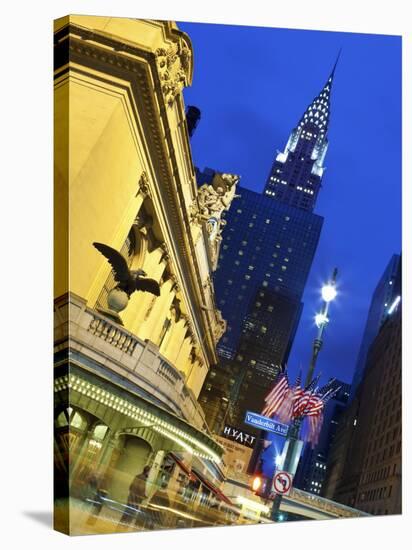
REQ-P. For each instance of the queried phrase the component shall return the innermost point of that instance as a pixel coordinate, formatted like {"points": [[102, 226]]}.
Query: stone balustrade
{"points": [[107, 344]]}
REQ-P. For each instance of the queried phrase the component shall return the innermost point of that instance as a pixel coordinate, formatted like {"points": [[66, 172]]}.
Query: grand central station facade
{"points": [[130, 362]]}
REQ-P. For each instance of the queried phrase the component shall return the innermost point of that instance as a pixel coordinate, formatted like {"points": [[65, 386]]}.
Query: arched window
{"points": [[99, 432], [72, 418]]}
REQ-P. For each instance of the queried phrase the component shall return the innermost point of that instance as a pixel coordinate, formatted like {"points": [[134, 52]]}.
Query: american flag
{"points": [[330, 394], [315, 426], [298, 395], [314, 406], [303, 398], [276, 396], [286, 409]]}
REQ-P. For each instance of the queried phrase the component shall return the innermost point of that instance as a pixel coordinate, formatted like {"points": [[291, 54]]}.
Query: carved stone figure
{"points": [[216, 197], [173, 65], [213, 200]]}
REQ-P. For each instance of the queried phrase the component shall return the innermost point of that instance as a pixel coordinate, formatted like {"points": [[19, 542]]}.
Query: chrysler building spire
{"points": [[296, 174]]}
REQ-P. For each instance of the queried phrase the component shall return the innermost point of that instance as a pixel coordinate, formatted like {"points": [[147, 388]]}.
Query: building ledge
{"points": [[103, 344]]}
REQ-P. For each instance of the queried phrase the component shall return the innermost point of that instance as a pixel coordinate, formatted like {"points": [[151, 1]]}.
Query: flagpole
{"points": [[292, 438]]}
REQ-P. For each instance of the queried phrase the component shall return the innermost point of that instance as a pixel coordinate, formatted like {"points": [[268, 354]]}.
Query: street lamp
{"points": [[321, 319], [329, 292], [292, 442]]}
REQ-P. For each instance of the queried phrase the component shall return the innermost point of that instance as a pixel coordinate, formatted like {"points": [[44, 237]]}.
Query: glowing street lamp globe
{"points": [[321, 319], [328, 293]]}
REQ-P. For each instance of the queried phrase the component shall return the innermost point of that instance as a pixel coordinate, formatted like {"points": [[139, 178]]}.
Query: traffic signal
{"points": [[256, 483], [260, 485]]}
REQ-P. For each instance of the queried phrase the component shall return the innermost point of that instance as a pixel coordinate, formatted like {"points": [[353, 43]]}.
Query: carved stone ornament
{"points": [[165, 253], [175, 286], [213, 200], [144, 188], [220, 327], [173, 65], [194, 213], [207, 283], [216, 197]]}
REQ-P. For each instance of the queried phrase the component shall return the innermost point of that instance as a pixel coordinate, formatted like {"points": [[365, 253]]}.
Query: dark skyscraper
{"points": [[267, 246], [266, 254], [365, 463], [385, 293]]}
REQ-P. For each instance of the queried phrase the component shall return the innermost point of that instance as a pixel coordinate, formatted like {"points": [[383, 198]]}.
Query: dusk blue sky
{"points": [[252, 85]]}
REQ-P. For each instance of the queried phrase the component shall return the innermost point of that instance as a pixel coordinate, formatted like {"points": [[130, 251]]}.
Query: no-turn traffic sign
{"points": [[282, 483]]}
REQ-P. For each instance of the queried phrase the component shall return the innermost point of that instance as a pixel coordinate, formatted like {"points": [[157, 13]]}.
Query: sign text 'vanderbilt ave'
{"points": [[265, 423]]}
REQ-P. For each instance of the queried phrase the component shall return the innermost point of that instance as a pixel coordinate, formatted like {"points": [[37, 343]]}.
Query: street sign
{"points": [[282, 483], [265, 423]]}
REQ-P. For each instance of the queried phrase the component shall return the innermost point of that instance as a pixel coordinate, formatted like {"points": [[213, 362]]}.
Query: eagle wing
{"points": [[148, 285], [116, 260]]}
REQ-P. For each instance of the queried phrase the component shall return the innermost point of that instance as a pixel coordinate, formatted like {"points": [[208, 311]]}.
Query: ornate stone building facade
{"points": [[127, 379]]}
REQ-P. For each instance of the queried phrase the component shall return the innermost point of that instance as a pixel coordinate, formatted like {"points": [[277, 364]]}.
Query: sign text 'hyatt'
{"points": [[239, 436], [265, 423]]}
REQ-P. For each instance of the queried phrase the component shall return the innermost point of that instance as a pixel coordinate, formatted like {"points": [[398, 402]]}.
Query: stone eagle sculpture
{"points": [[128, 280]]}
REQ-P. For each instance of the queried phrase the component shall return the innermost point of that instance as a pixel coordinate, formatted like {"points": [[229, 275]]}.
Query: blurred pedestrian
{"points": [[137, 493]]}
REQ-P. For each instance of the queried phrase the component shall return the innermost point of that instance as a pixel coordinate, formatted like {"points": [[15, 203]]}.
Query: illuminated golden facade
{"points": [[126, 384]]}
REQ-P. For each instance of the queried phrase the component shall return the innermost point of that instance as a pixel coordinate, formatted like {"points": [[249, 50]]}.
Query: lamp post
{"points": [[292, 438]]}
